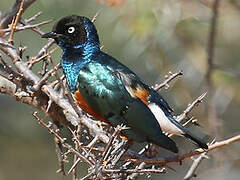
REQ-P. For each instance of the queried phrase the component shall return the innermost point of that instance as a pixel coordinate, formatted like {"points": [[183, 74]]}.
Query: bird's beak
{"points": [[52, 35]]}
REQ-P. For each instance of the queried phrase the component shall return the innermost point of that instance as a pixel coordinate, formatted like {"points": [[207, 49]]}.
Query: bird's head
{"points": [[73, 31]]}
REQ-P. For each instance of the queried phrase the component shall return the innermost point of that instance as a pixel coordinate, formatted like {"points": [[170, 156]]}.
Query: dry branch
{"points": [[15, 22], [28, 26], [7, 18], [179, 158], [62, 140], [168, 79], [61, 103], [195, 164], [190, 107]]}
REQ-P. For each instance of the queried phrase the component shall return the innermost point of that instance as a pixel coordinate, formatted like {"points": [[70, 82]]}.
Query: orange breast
{"points": [[81, 102]]}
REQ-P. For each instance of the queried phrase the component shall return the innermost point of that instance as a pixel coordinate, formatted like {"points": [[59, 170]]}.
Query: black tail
{"points": [[188, 134], [197, 140]]}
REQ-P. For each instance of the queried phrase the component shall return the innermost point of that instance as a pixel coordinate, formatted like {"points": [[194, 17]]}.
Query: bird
{"points": [[109, 91]]}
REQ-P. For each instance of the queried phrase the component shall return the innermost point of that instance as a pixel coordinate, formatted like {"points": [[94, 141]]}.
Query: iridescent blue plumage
{"points": [[109, 91], [74, 57]]}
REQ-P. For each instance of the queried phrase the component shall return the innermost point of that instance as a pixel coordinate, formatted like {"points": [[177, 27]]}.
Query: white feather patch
{"points": [[166, 125]]}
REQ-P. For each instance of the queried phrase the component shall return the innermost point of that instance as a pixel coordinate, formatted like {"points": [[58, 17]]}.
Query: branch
{"points": [[195, 164], [7, 18], [163, 170], [44, 49], [28, 26], [95, 16], [62, 140], [167, 80], [190, 107], [33, 18], [179, 158], [62, 104], [15, 22]]}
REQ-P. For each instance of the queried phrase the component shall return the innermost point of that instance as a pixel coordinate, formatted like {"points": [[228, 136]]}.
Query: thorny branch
{"points": [[15, 22], [7, 18], [190, 107], [196, 162], [179, 158], [62, 140], [168, 79]]}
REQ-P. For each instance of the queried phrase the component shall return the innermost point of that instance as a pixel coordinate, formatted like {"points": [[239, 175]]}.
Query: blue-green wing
{"points": [[106, 93]]}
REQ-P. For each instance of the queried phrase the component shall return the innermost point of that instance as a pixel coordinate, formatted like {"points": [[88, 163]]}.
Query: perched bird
{"points": [[111, 92]]}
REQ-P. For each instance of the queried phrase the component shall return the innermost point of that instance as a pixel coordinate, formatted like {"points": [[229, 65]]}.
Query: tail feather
{"points": [[197, 140], [188, 134]]}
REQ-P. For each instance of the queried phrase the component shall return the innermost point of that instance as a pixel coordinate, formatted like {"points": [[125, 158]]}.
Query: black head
{"points": [[72, 30]]}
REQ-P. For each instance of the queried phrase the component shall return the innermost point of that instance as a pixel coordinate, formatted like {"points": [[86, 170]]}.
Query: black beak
{"points": [[52, 35]]}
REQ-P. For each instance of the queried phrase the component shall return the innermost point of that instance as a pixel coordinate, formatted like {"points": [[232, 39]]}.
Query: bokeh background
{"points": [[152, 38]]}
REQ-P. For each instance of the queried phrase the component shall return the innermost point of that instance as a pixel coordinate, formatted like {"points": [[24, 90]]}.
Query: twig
{"points": [[6, 18], [38, 85], [95, 16], [167, 80], [16, 20], [179, 158], [74, 165], [195, 164], [190, 107], [7, 45], [79, 146], [87, 176], [62, 140], [139, 167], [44, 48], [163, 170], [118, 152], [35, 29], [33, 18], [28, 26], [33, 61], [108, 147]]}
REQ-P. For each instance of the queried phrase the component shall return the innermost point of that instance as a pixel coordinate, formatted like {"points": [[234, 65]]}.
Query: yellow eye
{"points": [[71, 29]]}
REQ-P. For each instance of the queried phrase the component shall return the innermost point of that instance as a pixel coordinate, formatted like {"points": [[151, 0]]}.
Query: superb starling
{"points": [[111, 92]]}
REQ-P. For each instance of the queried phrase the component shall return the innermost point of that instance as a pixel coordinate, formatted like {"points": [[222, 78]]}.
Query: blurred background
{"points": [[152, 38]]}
